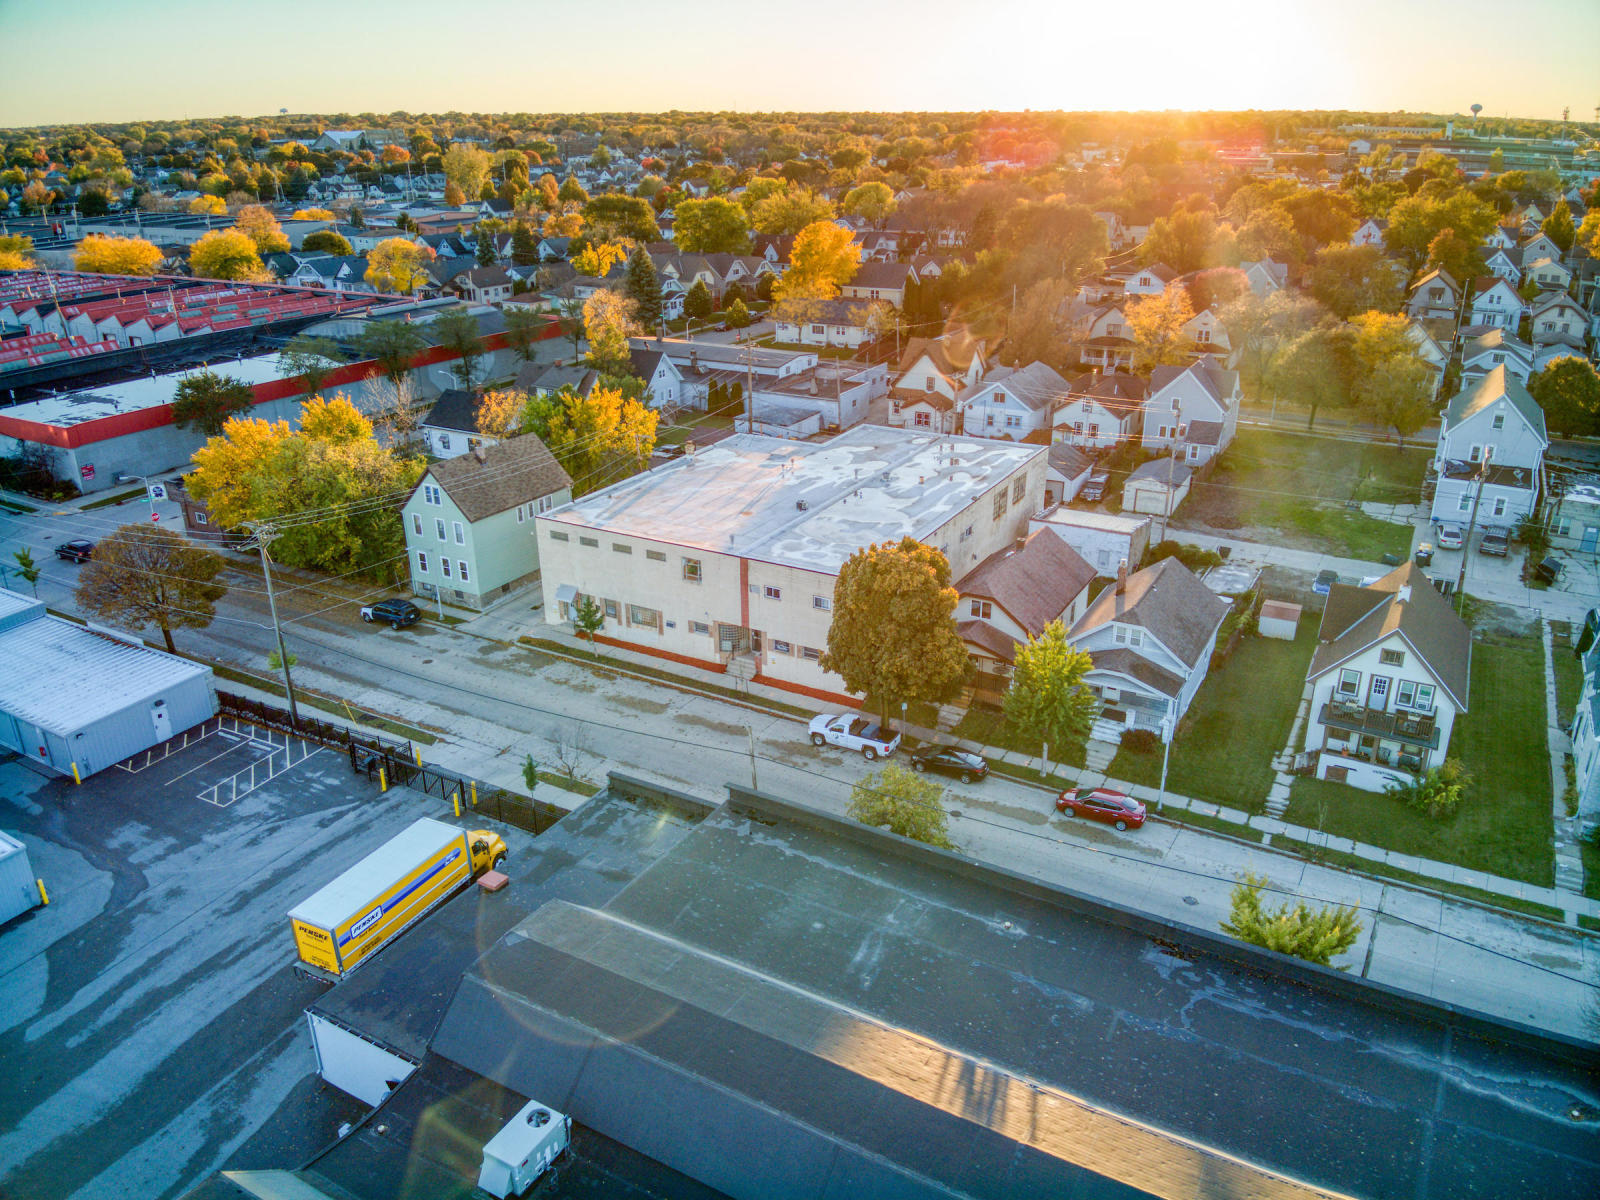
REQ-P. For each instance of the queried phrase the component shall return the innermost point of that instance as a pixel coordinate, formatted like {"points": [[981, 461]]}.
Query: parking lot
{"points": [[150, 1019]]}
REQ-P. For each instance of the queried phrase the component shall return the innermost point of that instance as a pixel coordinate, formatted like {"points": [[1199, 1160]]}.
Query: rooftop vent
{"points": [[516, 1156]]}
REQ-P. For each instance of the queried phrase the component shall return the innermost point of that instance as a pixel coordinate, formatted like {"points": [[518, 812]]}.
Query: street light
{"points": [[1166, 753], [152, 491]]}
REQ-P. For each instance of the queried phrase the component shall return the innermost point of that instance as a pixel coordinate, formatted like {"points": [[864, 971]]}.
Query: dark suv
{"points": [[78, 550], [396, 611]]}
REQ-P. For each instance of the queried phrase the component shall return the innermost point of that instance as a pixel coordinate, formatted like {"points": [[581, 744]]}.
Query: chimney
{"points": [[477, 453], [1122, 577]]}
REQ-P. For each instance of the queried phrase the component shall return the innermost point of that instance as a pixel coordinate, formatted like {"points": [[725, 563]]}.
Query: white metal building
{"points": [[74, 697]]}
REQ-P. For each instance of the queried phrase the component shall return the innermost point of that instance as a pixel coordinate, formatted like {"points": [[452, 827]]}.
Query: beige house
{"points": [[728, 557]]}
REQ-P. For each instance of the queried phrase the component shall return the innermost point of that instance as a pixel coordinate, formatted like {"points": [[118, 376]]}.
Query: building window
{"points": [[438, 527], [772, 593], [691, 570], [1465, 503], [981, 608], [1349, 683], [621, 548], [965, 534], [699, 627], [559, 535], [444, 441], [1000, 504], [780, 647], [1415, 696], [546, 503], [462, 563], [444, 566], [1127, 635], [522, 514], [461, 537], [927, 384], [611, 610], [810, 653], [416, 524], [1499, 506], [592, 543], [639, 615], [825, 603], [200, 518], [656, 555], [422, 563], [1392, 658], [923, 420], [430, 494]]}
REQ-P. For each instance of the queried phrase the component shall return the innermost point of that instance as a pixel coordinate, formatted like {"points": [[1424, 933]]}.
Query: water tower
{"points": [[1476, 109]]}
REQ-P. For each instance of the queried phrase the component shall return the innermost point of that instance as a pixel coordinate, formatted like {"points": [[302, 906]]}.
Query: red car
{"points": [[1102, 804]]}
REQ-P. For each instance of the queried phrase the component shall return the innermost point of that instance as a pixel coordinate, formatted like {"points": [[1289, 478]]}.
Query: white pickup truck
{"points": [[851, 732]]}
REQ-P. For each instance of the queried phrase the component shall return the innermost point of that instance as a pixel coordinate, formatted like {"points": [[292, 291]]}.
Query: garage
{"points": [[78, 699]]}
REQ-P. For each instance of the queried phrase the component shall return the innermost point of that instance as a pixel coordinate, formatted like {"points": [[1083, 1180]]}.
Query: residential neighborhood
{"points": [[1075, 606]]}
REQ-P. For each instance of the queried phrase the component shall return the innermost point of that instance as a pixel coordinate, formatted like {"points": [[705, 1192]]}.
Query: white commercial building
{"points": [[728, 557]]}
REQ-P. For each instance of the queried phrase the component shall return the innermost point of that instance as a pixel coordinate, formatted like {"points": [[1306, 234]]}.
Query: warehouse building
{"points": [[76, 698]]}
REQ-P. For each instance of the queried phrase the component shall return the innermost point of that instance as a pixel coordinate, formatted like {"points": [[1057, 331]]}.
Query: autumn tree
{"points": [[600, 438], [500, 413], [311, 214], [615, 217], [398, 265], [1258, 325], [1314, 369], [571, 192], [467, 167], [309, 359], [643, 286], [597, 258], [1568, 390], [227, 254], [1033, 330], [1048, 701], [332, 470], [1588, 237], [327, 241], [145, 575], [392, 345], [1391, 384], [207, 401], [103, 255], [903, 802], [1216, 286], [1455, 255], [791, 210], [1184, 240], [711, 226], [1156, 326], [609, 320], [893, 634], [16, 252], [210, 206], [1558, 226], [871, 201], [1317, 936], [1348, 280], [262, 228], [1415, 221], [454, 197], [457, 330], [738, 315], [395, 407], [824, 259]]}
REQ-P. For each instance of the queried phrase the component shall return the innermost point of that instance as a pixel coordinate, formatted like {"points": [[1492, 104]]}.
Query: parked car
{"points": [[78, 550], [1549, 570], [851, 732], [1102, 804], [1449, 537], [396, 611], [1095, 486], [1495, 542], [947, 760]]}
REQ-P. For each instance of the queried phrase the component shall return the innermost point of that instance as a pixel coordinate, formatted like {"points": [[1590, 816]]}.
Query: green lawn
{"points": [[1299, 486], [1569, 671], [1591, 869], [1238, 721], [1504, 825], [988, 725]]}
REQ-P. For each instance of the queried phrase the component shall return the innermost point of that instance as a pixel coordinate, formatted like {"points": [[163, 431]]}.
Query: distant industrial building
{"points": [[74, 699]]}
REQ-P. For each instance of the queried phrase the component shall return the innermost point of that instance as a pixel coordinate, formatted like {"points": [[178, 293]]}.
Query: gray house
{"points": [[469, 523]]}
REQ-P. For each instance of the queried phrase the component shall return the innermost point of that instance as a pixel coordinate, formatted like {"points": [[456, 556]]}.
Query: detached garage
{"points": [[76, 697]]}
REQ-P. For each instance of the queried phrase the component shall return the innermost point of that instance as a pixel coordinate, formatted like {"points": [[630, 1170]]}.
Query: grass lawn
{"points": [[1569, 671], [988, 725], [1299, 485], [1240, 718], [1591, 869], [1504, 825]]}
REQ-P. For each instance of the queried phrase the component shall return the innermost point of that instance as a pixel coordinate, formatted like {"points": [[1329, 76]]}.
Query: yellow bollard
{"points": [[76, 778], [383, 781], [43, 895], [456, 796], [418, 753], [474, 786]]}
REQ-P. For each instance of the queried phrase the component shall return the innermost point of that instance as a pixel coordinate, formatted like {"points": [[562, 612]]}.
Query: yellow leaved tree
{"points": [[398, 265], [227, 254], [116, 256]]}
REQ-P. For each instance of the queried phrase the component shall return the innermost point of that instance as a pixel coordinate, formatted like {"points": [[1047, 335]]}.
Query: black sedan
{"points": [[946, 760], [79, 550]]}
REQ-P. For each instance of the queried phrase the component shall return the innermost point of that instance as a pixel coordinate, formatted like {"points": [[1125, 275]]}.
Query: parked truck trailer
{"points": [[340, 926]]}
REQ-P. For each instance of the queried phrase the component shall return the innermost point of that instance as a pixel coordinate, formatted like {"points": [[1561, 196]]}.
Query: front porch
{"points": [[1356, 736]]}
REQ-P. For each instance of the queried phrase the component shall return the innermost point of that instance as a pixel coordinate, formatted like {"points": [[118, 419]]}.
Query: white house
{"points": [[1493, 348], [1434, 295], [1586, 732], [1105, 540], [1557, 320], [931, 374], [469, 523], [1150, 281], [1369, 233], [886, 281], [663, 382], [1266, 276], [1495, 302], [1100, 411], [1501, 265], [1490, 454], [1192, 411], [451, 426], [827, 323], [1391, 672], [1106, 344], [1575, 519], [1011, 402], [1150, 636], [1536, 247]]}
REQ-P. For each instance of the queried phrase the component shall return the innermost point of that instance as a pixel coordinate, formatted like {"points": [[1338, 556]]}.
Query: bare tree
{"points": [[569, 749], [395, 408]]}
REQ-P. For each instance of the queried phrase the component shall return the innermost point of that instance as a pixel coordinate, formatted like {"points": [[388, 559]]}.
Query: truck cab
{"points": [[488, 851]]}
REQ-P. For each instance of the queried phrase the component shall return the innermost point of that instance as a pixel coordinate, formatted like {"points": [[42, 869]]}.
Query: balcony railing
{"points": [[1416, 729]]}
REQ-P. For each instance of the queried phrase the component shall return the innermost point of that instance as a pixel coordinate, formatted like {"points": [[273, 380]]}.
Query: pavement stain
{"points": [[640, 704], [1027, 816], [723, 727]]}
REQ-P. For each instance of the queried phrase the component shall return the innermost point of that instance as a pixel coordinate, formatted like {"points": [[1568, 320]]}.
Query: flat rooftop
{"points": [[722, 353], [107, 400], [1105, 522], [802, 504]]}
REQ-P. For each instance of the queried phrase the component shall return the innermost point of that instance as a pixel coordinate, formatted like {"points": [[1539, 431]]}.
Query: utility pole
{"points": [[750, 387], [265, 534], [1466, 542]]}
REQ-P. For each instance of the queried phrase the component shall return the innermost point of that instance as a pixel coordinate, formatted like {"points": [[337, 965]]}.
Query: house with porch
{"points": [[840, 323], [469, 523], [1493, 348], [1490, 454], [1435, 295], [1556, 319], [1106, 345], [931, 374], [1100, 411], [1011, 402], [1149, 281], [1390, 674], [1150, 636], [1548, 274], [1495, 302], [1192, 411], [1012, 596]]}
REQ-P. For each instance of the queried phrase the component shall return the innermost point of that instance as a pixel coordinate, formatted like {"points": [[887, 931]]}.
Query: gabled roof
{"points": [[1497, 384], [1161, 470], [1167, 599], [1204, 433], [1160, 270], [455, 408], [1218, 384], [1036, 385], [951, 356], [1068, 461], [509, 473], [1033, 584], [881, 275], [1404, 601], [1115, 391], [1436, 276], [645, 362], [1495, 339], [541, 377]]}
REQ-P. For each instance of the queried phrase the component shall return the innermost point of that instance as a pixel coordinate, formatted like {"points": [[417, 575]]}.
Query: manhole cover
{"points": [[1190, 900]]}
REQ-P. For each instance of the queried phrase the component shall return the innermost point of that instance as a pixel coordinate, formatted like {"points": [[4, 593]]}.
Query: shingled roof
{"points": [[1405, 602], [507, 474], [1033, 584], [1169, 600]]}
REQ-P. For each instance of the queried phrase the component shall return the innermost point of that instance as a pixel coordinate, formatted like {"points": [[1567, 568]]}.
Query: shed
{"points": [[77, 698], [19, 891], [1157, 486], [1279, 619]]}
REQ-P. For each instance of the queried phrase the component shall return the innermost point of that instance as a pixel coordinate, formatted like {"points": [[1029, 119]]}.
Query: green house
{"points": [[470, 521]]}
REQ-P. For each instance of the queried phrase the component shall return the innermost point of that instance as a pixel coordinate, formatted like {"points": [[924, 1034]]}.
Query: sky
{"points": [[136, 60]]}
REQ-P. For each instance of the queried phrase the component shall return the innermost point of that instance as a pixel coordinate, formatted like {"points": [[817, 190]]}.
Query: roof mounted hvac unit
{"points": [[516, 1156]]}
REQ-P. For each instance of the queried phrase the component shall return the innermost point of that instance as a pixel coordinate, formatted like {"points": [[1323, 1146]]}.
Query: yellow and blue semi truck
{"points": [[341, 925]]}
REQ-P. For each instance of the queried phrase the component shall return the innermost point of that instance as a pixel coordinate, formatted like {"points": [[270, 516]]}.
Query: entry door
{"points": [[1591, 536], [161, 719], [1378, 693]]}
